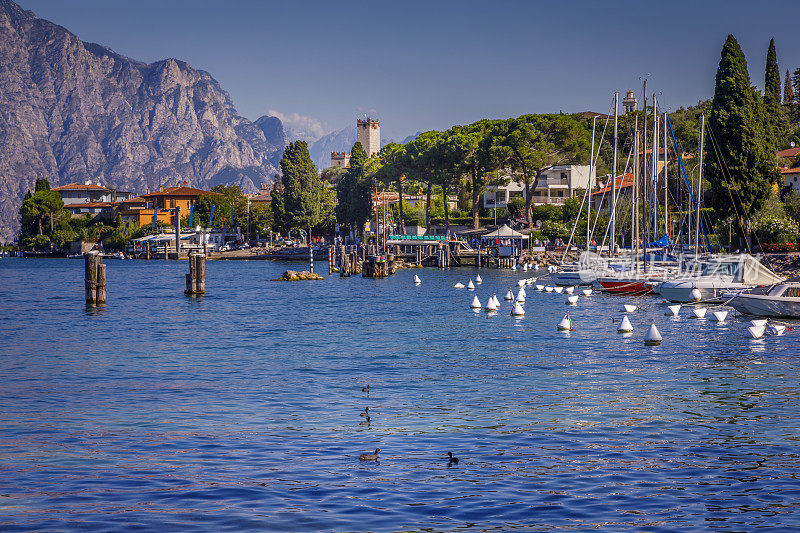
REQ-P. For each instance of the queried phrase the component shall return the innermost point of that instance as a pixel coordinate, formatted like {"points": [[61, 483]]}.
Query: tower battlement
{"points": [[368, 133]]}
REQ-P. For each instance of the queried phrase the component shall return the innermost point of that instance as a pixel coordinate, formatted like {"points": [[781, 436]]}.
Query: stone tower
{"points": [[368, 133]]}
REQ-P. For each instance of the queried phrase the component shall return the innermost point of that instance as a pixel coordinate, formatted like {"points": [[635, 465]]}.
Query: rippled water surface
{"points": [[240, 409]]}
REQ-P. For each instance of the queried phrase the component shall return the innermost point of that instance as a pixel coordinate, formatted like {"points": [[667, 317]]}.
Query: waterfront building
{"points": [[629, 102], [791, 178], [90, 198], [601, 199], [165, 200], [555, 185]]}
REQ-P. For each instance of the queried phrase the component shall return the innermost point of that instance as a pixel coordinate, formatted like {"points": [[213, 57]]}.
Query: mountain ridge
{"points": [[73, 111]]}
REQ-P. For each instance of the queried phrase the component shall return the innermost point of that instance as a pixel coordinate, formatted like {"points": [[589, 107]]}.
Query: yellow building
{"points": [[140, 209]]}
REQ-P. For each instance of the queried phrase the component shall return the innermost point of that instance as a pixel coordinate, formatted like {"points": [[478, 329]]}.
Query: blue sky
{"points": [[429, 65]]}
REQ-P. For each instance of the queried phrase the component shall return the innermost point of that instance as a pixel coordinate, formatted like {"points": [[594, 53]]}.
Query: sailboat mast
{"points": [[699, 188], [645, 211], [635, 192], [614, 176], [666, 184], [654, 169], [589, 196]]}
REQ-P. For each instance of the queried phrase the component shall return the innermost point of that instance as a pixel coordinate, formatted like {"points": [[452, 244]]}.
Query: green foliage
{"points": [[548, 212], [38, 208], [354, 191], [767, 227], [516, 207], [571, 207], [788, 91], [792, 205], [741, 161], [555, 228], [302, 187], [120, 235], [41, 185]]}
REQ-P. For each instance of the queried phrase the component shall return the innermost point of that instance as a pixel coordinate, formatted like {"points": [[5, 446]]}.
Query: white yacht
{"points": [[778, 300], [721, 275]]}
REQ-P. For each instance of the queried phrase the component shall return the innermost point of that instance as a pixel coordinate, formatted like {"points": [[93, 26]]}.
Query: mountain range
{"points": [[72, 111]]}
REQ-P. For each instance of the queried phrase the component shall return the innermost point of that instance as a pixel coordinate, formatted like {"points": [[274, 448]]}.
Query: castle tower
{"points": [[368, 133], [629, 102]]}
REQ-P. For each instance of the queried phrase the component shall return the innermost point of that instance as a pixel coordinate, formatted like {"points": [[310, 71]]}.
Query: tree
{"points": [[354, 191], [392, 170], [42, 185], [740, 166], [302, 187], [772, 95], [535, 143], [788, 92], [44, 204]]}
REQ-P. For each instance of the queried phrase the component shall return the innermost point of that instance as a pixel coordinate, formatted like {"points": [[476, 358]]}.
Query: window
{"points": [[172, 203]]}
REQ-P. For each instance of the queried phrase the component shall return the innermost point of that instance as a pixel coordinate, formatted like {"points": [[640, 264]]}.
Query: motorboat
{"points": [[778, 300], [719, 276]]}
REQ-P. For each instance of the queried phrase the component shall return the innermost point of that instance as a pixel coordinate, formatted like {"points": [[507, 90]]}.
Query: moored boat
{"points": [[778, 300]]}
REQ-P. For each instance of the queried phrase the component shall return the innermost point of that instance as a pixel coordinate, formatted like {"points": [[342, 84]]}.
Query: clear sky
{"points": [[421, 65]]}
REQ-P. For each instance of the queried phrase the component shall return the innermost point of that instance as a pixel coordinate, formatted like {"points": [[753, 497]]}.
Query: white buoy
{"points": [[529, 281], [540, 288], [521, 296], [458, 285], [699, 312], [417, 281], [470, 286], [719, 316], [518, 310], [587, 292], [509, 295], [524, 267], [572, 299], [758, 322], [520, 283], [496, 301], [490, 305], [756, 331], [653, 337], [559, 290], [514, 266], [476, 304], [673, 310], [565, 324], [569, 290], [478, 279], [696, 295], [625, 326], [776, 329], [627, 308], [548, 289], [522, 290]]}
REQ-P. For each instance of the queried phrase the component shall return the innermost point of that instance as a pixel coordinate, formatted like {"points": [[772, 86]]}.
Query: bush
{"points": [[555, 228], [767, 227]]}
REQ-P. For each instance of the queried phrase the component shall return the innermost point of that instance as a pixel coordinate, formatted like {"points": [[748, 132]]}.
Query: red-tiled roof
{"points": [[178, 191], [88, 204], [80, 187], [790, 170], [789, 152], [620, 182], [134, 200]]}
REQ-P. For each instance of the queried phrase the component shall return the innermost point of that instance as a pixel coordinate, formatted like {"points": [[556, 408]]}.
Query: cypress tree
{"points": [[302, 187], [772, 80], [788, 93], [742, 167], [354, 191]]}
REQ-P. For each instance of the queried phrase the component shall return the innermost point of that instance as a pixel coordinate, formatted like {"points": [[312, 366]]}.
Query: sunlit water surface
{"points": [[240, 409]]}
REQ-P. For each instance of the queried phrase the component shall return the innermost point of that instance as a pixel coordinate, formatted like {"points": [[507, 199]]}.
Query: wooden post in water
{"points": [[100, 295], [330, 260], [92, 261], [196, 278], [177, 232]]}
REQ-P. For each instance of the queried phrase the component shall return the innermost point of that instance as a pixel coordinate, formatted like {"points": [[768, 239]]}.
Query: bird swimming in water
{"points": [[365, 413], [364, 422], [369, 456], [365, 389], [452, 460]]}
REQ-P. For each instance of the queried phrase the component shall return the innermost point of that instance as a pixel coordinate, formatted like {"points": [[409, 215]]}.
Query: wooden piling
{"points": [[200, 273], [94, 274], [330, 260]]}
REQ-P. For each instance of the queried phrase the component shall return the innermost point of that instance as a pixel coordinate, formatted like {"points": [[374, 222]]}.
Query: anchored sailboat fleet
{"points": [[678, 273]]}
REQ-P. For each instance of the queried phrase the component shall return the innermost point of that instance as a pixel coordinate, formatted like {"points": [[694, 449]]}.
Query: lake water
{"points": [[240, 409]]}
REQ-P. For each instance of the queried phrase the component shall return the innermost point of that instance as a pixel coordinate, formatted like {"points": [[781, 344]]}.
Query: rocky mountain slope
{"points": [[71, 111]]}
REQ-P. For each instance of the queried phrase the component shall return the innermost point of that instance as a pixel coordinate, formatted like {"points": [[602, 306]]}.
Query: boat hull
{"points": [[626, 286], [764, 305]]}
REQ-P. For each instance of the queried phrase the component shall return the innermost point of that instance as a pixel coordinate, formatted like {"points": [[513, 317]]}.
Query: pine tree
{"points": [[741, 163], [302, 187], [788, 93]]}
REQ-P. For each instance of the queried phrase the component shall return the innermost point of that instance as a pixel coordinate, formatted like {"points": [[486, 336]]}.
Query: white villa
{"points": [[555, 185]]}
